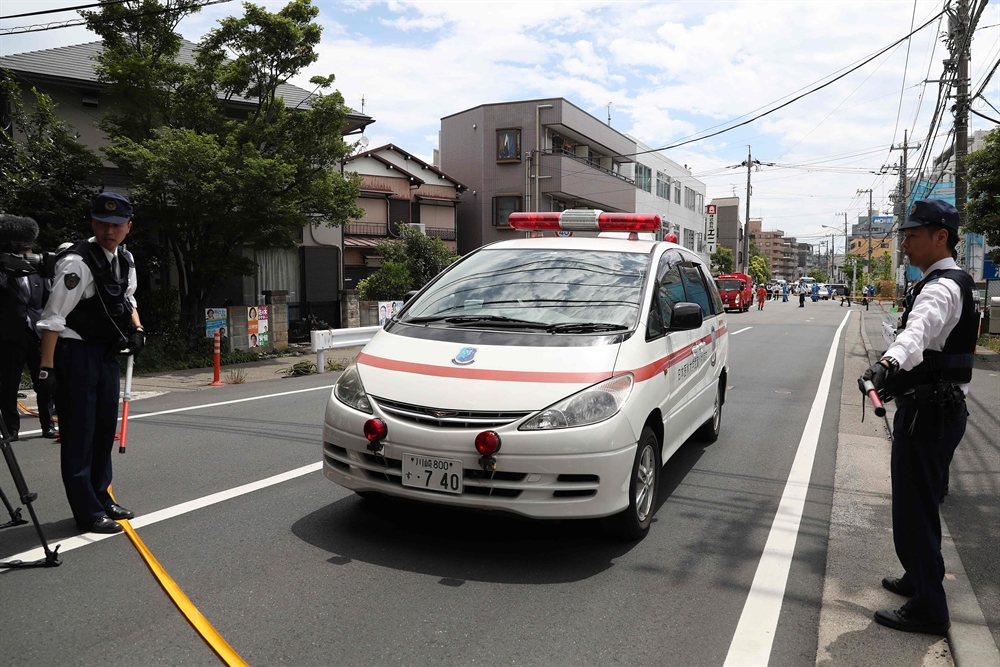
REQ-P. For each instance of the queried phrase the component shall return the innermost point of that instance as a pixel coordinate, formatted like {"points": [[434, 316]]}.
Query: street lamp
{"points": [[836, 231]]}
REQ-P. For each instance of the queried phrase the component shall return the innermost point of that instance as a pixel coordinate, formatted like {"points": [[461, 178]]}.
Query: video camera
{"points": [[17, 234]]}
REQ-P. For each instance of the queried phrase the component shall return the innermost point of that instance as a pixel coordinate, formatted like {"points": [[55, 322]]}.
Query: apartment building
{"points": [[729, 226], [782, 253], [397, 188]]}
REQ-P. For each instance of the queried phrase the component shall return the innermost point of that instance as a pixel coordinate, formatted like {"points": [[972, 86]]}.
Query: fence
{"points": [[335, 339]]}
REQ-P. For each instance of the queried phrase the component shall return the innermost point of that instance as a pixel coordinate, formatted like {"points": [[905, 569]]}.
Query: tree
{"points": [[421, 257], [755, 250], [851, 263], [45, 173], [206, 182], [983, 207], [882, 267], [723, 260], [819, 275], [758, 269]]}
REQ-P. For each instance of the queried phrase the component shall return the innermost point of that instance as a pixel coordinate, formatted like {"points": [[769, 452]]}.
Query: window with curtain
{"points": [[277, 269]]}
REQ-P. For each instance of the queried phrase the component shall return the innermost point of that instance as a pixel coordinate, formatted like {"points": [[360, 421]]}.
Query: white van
{"points": [[551, 377]]}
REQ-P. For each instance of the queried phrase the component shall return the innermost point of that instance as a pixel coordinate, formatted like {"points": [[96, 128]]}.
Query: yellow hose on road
{"points": [[25, 410], [183, 602]]}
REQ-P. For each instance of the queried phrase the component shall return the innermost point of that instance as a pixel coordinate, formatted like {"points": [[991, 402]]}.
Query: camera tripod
{"points": [[27, 497]]}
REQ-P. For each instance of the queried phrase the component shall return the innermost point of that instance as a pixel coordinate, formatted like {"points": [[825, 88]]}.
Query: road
{"points": [[303, 572]]}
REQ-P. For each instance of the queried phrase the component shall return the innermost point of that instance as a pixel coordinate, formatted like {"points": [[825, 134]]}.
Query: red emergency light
{"points": [[586, 221]]}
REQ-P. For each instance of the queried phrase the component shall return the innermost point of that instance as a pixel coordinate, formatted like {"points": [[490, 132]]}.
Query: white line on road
{"points": [[741, 331], [751, 645], [170, 512], [143, 415]]}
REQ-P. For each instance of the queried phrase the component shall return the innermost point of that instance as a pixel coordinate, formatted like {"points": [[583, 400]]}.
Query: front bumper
{"points": [[581, 472]]}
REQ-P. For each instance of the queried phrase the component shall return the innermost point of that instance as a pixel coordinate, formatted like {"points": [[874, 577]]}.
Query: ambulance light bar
{"points": [[586, 221]]}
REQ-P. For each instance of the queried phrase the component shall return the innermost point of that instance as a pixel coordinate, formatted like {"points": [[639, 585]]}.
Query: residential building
{"points": [[311, 273], [782, 254], [533, 155], [729, 226], [806, 260], [397, 188], [879, 245]]}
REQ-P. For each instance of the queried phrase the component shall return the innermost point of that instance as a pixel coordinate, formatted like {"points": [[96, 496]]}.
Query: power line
{"points": [[73, 23], [63, 9]]}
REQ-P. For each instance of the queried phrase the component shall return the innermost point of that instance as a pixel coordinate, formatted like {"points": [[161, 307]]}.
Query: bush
{"points": [[389, 283]]}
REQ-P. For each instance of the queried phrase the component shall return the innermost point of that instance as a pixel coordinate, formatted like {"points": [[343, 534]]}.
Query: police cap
{"points": [[932, 212], [111, 207]]}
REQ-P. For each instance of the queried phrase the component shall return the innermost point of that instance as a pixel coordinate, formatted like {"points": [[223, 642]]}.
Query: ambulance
{"points": [[552, 377]]}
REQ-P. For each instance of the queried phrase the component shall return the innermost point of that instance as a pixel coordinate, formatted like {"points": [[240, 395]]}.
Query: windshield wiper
{"points": [[585, 327], [479, 319]]}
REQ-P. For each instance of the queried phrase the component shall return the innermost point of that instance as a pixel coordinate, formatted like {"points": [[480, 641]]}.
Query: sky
{"points": [[669, 70]]}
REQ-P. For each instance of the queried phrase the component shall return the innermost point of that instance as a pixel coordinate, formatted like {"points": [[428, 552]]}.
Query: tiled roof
{"points": [[77, 63], [363, 242]]}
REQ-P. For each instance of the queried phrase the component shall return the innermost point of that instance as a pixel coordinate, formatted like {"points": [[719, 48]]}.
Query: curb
{"points": [[970, 638]]}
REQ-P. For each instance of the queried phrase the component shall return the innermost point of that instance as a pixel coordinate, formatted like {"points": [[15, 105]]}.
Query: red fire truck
{"points": [[736, 291]]}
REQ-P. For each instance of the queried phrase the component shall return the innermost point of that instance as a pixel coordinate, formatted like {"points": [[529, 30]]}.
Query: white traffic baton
{"points": [[125, 401]]}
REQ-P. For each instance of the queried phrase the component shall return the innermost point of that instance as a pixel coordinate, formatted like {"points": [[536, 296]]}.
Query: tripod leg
{"points": [[15, 514], [27, 497]]}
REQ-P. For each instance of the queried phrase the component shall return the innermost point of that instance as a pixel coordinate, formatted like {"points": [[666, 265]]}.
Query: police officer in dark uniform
{"points": [[927, 370], [89, 319], [22, 295]]}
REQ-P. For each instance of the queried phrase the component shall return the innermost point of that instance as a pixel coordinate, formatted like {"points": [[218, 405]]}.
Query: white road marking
{"points": [[751, 645], [741, 331], [170, 512], [143, 415]]}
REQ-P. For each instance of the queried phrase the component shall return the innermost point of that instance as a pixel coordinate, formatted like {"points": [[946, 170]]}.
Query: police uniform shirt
{"points": [[936, 311], [63, 299]]}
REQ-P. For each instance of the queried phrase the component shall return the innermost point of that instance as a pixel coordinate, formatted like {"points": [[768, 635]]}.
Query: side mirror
{"points": [[409, 295], [686, 316]]}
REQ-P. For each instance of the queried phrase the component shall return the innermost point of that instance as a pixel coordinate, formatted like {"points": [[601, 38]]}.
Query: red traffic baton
{"points": [[876, 401], [125, 401]]}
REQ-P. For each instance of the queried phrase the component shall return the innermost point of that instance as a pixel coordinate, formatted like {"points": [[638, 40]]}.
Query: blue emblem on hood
{"points": [[465, 356]]}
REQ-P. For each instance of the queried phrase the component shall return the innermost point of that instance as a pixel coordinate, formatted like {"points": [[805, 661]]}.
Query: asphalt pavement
{"points": [[304, 572]]}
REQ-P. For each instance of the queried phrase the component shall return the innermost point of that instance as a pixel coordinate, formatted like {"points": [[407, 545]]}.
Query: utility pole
{"points": [[962, 42], [746, 223], [902, 206], [869, 191]]}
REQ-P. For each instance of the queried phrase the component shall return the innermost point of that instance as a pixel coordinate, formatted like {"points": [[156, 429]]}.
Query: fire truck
{"points": [[736, 291]]}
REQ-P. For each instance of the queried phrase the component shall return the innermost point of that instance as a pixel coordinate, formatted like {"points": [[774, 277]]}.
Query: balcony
{"points": [[443, 233], [580, 181], [366, 229]]}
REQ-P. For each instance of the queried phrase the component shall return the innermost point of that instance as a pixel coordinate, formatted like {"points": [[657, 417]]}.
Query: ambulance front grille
{"points": [[443, 418]]}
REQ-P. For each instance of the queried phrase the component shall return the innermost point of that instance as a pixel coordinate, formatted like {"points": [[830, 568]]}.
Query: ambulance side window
{"points": [[694, 285], [712, 289], [669, 291]]}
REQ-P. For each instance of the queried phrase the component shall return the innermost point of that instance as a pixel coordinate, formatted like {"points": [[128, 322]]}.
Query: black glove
{"points": [[878, 374], [136, 342], [46, 383]]}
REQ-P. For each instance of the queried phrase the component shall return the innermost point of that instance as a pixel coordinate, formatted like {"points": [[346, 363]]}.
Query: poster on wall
{"points": [[257, 326], [215, 320], [387, 310]]}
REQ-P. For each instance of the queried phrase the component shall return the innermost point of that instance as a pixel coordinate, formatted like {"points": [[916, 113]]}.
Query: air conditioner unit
{"points": [[419, 226]]}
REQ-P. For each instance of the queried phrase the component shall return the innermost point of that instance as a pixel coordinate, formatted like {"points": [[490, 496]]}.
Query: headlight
{"points": [[592, 405], [351, 392]]}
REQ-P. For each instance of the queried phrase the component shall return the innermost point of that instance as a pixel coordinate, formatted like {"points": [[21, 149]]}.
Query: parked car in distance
{"points": [[837, 289], [824, 292]]}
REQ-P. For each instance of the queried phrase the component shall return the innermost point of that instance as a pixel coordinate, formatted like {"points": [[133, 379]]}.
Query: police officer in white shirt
{"points": [[89, 319], [927, 370]]}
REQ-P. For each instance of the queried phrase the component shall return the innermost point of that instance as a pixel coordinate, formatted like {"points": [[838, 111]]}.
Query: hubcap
{"points": [[645, 483]]}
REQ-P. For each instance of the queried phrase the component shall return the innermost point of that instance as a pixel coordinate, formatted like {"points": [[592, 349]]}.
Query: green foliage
{"points": [[755, 250], [983, 207], [211, 171], [882, 267], [723, 260], [991, 342], [758, 269], [44, 172], [852, 262], [819, 275], [390, 283]]}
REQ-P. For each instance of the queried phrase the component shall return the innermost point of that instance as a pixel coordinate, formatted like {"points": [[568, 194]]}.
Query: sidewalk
{"points": [[861, 549]]}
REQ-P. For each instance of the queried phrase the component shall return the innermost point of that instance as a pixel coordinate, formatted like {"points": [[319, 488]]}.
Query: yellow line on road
{"points": [[183, 602]]}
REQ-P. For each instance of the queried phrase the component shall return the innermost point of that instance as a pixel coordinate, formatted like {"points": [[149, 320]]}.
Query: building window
{"points": [[662, 186], [509, 145], [503, 206], [689, 239], [699, 243], [677, 192], [690, 201], [643, 177]]}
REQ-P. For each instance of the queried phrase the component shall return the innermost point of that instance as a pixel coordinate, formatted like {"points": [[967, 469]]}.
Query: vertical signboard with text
{"points": [[710, 231]]}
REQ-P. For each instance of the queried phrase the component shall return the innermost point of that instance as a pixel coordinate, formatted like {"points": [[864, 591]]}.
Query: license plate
{"points": [[432, 473]]}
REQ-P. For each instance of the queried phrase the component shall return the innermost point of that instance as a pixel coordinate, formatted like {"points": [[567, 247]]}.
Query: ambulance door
{"points": [[676, 375], [704, 341]]}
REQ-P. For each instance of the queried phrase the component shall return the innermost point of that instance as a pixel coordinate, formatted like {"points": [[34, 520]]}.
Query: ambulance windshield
{"points": [[549, 287]]}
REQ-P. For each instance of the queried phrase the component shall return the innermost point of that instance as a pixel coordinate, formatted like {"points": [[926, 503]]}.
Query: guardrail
{"points": [[335, 339]]}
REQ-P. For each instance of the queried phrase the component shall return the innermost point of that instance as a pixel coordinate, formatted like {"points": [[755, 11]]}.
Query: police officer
{"points": [[89, 319], [22, 294], [927, 370]]}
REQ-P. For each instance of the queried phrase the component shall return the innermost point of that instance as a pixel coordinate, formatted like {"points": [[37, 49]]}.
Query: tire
{"points": [[709, 431], [632, 523]]}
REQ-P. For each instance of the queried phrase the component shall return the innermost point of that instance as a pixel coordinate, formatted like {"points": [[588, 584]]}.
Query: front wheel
{"points": [[709, 431], [633, 523]]}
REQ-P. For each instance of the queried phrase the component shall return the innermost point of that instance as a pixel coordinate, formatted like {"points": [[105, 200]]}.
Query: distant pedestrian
{"points": [[784, 293], [802, 298], [845, 295], [761, 296]]}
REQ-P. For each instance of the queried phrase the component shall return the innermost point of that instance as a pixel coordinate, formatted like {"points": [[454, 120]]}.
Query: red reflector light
{"points": [[488, 443], [628, 222], [534, 220], [375, 430]]}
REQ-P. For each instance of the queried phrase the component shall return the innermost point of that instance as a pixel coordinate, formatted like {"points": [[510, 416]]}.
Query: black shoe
{"points": [[50, 433], [14, 437], [119, 512], [901, 619], [898, 586], [102, 525]]}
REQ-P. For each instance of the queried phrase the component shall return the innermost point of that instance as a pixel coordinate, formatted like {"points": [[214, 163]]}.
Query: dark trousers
{"points": [[919, 473], [87, 388], [25, 348]]}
